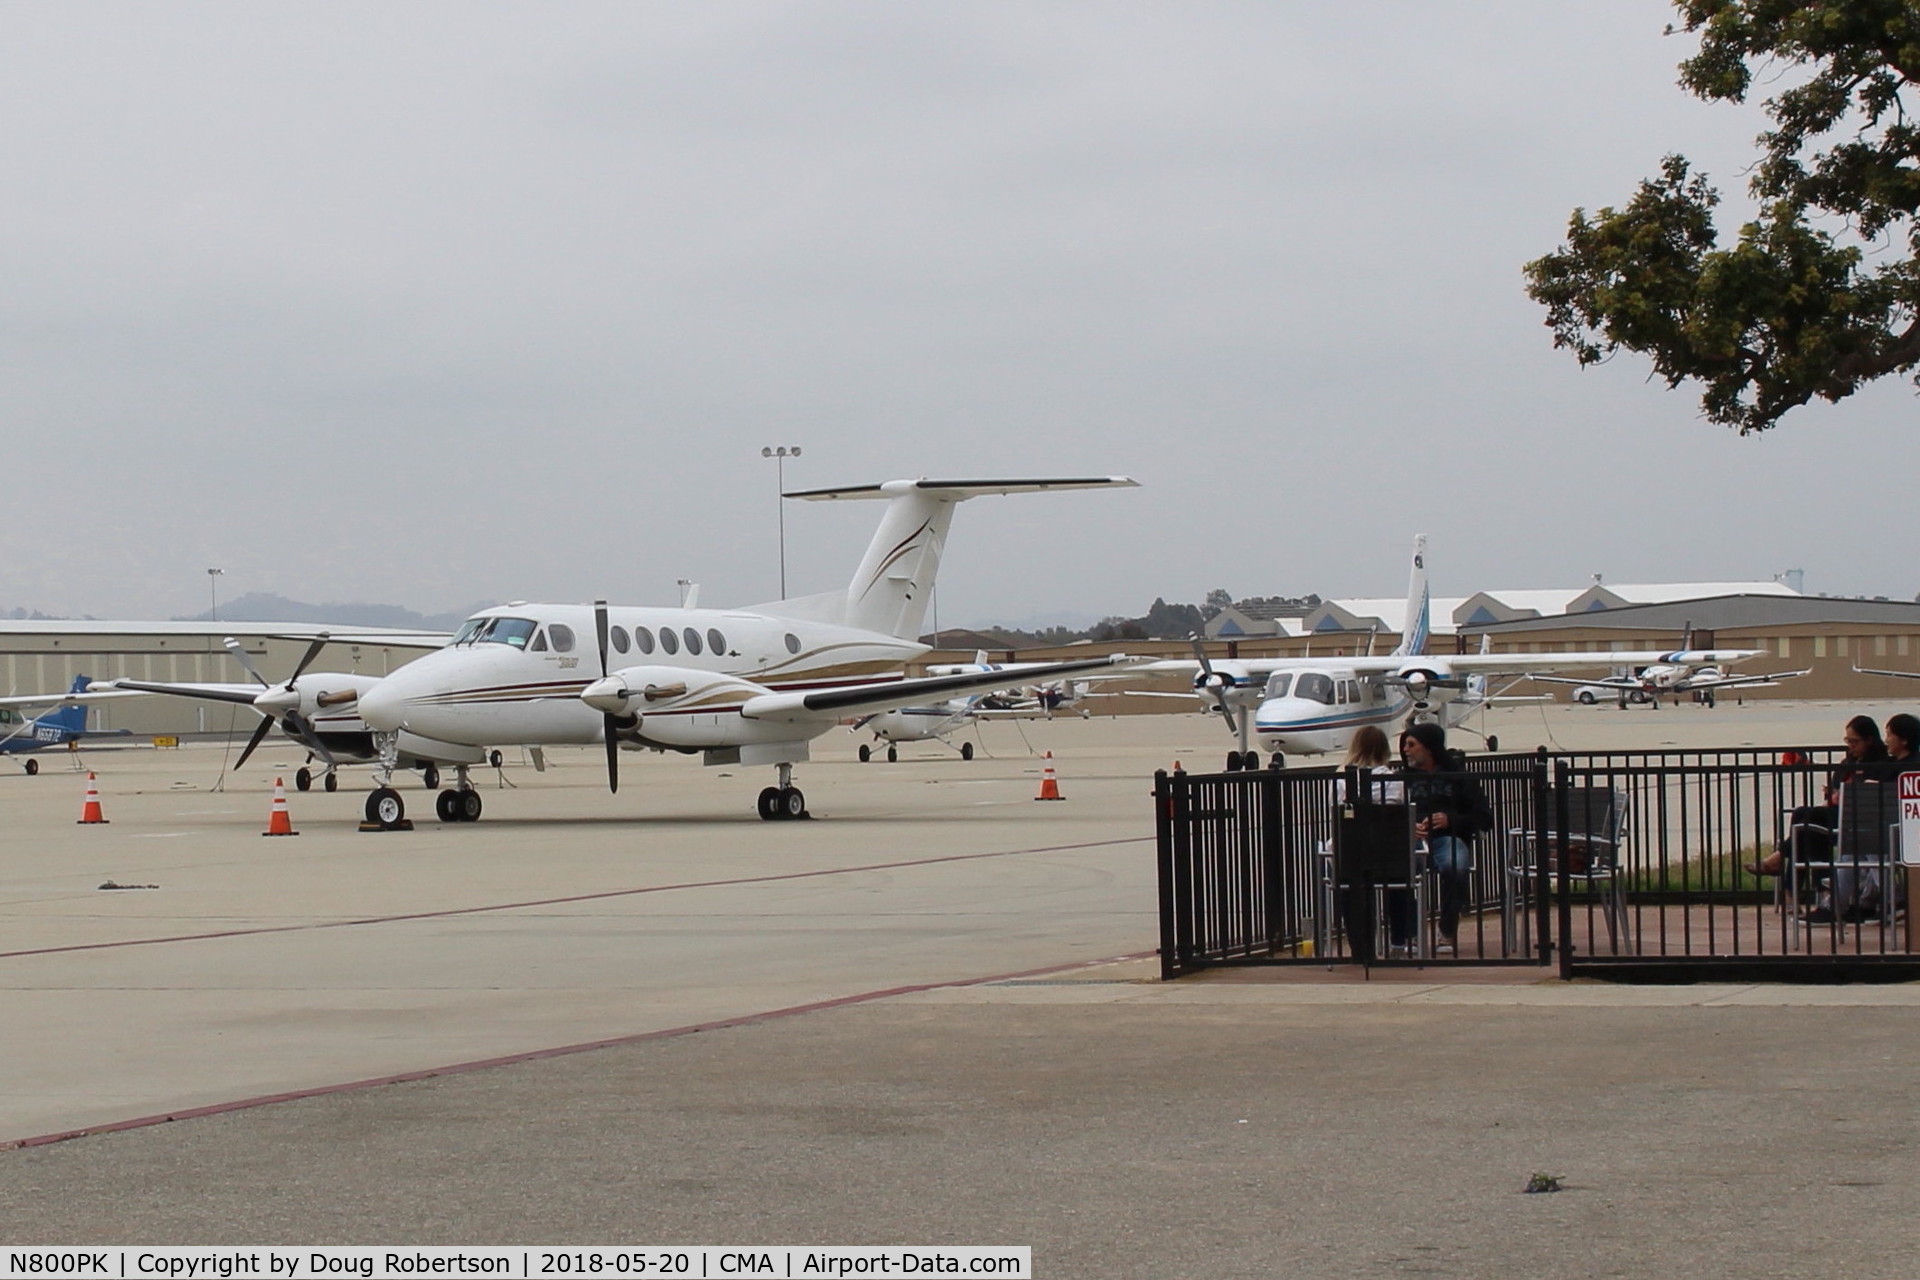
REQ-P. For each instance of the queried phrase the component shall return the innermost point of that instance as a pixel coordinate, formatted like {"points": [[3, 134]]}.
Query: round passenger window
{"points": [[643, 639], [560, 635], [619, 637], [693, 640], [668, 642], [716, 641], [793, 643]]}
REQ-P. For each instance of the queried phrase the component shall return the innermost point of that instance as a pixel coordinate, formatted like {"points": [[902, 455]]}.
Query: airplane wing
{"points": [[1738, 682], [244, 693], [95, 693], [1589, 682], [1869, 671], [832, 704]]}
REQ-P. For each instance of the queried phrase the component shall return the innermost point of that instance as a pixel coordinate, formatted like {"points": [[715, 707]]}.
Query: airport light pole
{"points": [[780, 456], [213, 595]]}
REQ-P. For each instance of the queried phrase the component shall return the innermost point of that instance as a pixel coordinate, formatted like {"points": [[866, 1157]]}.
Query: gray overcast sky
{"points": [[432, 303]]}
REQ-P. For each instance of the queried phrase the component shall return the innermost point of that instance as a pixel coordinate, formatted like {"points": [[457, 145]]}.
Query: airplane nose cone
{"points": [[383, 707], [277, 701]]}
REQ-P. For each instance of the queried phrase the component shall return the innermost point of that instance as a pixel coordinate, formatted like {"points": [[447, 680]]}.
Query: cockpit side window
{"points": [[1278, 683], [1314, 687], [539, 644], [467, 630]]}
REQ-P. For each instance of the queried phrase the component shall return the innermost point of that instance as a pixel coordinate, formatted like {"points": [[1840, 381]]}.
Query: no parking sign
{"points": [[1910, 819]]}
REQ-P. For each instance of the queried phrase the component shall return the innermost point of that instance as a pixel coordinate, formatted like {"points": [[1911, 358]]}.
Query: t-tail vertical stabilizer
{"points": [[1418, 624], [890, 591]]}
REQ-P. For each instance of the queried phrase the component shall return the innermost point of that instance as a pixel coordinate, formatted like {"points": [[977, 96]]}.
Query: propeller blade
{"points": [[608, 730], [313, 651], [259, 732], [308, 737], [241, 656], [613, 752], [1219, 693]]}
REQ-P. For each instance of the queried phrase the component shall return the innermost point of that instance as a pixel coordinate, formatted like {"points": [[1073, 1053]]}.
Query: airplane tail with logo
{"points": [[1418, 624], [891, 589]]}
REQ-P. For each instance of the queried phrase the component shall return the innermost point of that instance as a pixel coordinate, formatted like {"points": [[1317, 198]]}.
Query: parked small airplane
{"points": [[934, 723], [66, 724], [1686, 670], [1311, 706], [316, 710], [749, 686]]}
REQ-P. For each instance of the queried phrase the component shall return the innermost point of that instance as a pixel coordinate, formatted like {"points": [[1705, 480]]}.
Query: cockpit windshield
{"points": [[1277, 684], [1314, 687], [512, 631]]}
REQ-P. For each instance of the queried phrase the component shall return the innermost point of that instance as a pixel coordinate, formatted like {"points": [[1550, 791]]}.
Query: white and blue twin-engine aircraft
{"points": [[748, 686], [1312, 706]]}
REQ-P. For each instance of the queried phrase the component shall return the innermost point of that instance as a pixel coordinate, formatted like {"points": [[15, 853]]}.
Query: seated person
{"points": [[1450, 811], [1816, 822]]}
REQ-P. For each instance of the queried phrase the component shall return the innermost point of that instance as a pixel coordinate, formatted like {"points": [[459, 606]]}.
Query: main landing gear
{"points": [[1238, 760], [785, 800], [457, 805]]}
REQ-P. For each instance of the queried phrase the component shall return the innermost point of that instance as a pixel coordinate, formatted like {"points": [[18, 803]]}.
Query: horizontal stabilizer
{"points": [[961, 490]]}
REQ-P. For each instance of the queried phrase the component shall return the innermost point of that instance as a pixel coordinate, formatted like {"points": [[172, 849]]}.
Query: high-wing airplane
{"points": [[748, 686], [1311, 706], [935, 722], [66, 724], [316, 710]]}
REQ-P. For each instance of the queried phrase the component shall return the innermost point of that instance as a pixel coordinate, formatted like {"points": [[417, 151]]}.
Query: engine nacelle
{"points": [[1428, 683]]}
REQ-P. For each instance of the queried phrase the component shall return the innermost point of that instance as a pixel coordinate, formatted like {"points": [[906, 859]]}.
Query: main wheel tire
{"points": [[966, 751], [866, 753], [468, 805], [430, 778], [1493, 742], [1233, 762], [446, 806], [793, 804], [303, 779], [770, 806], [331, 782], [893, 755], [32, 766], [386, 807], [1250, 761]]}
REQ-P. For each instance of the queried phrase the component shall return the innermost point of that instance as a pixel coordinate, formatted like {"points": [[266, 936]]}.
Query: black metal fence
{"points": [[1668, 890]]}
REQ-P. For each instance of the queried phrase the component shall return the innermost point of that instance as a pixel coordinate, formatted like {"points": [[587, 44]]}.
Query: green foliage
{"points": [[1821, 293]]}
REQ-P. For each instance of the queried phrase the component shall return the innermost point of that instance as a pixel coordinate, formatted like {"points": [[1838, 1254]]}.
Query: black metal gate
{"points": [[1620, 864]]}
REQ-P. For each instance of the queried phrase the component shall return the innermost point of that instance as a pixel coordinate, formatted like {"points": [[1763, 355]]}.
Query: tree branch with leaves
{"points": [[1820, 293]]}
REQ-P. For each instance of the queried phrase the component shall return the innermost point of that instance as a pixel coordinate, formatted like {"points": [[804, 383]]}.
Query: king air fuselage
{"points": [[515, 674]]}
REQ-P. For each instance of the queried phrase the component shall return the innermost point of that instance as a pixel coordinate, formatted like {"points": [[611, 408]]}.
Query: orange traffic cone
{"points": [[1049, 785], [90, 811], [279, 822]]}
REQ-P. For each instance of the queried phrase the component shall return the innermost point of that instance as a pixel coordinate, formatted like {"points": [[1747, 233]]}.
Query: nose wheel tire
{"points": [[893, 754], [778, 803], [385, 808], [303, 780]]}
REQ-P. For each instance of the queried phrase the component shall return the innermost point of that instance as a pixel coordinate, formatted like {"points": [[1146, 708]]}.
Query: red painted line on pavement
{"points": [[561, 1051]]}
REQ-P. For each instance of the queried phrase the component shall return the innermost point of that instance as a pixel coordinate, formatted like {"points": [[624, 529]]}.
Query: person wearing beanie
{"points": [[1450, 811]]}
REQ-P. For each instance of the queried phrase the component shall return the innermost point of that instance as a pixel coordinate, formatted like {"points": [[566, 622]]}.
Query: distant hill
{"points": [[261, 606]]}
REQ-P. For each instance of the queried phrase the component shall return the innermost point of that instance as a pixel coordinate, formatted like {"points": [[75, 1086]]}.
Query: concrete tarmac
{"points": [[903, 1022]]}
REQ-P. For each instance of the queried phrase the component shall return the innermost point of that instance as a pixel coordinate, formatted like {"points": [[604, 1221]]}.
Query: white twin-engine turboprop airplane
{"points": [[748, 686], [1311, 706]]}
